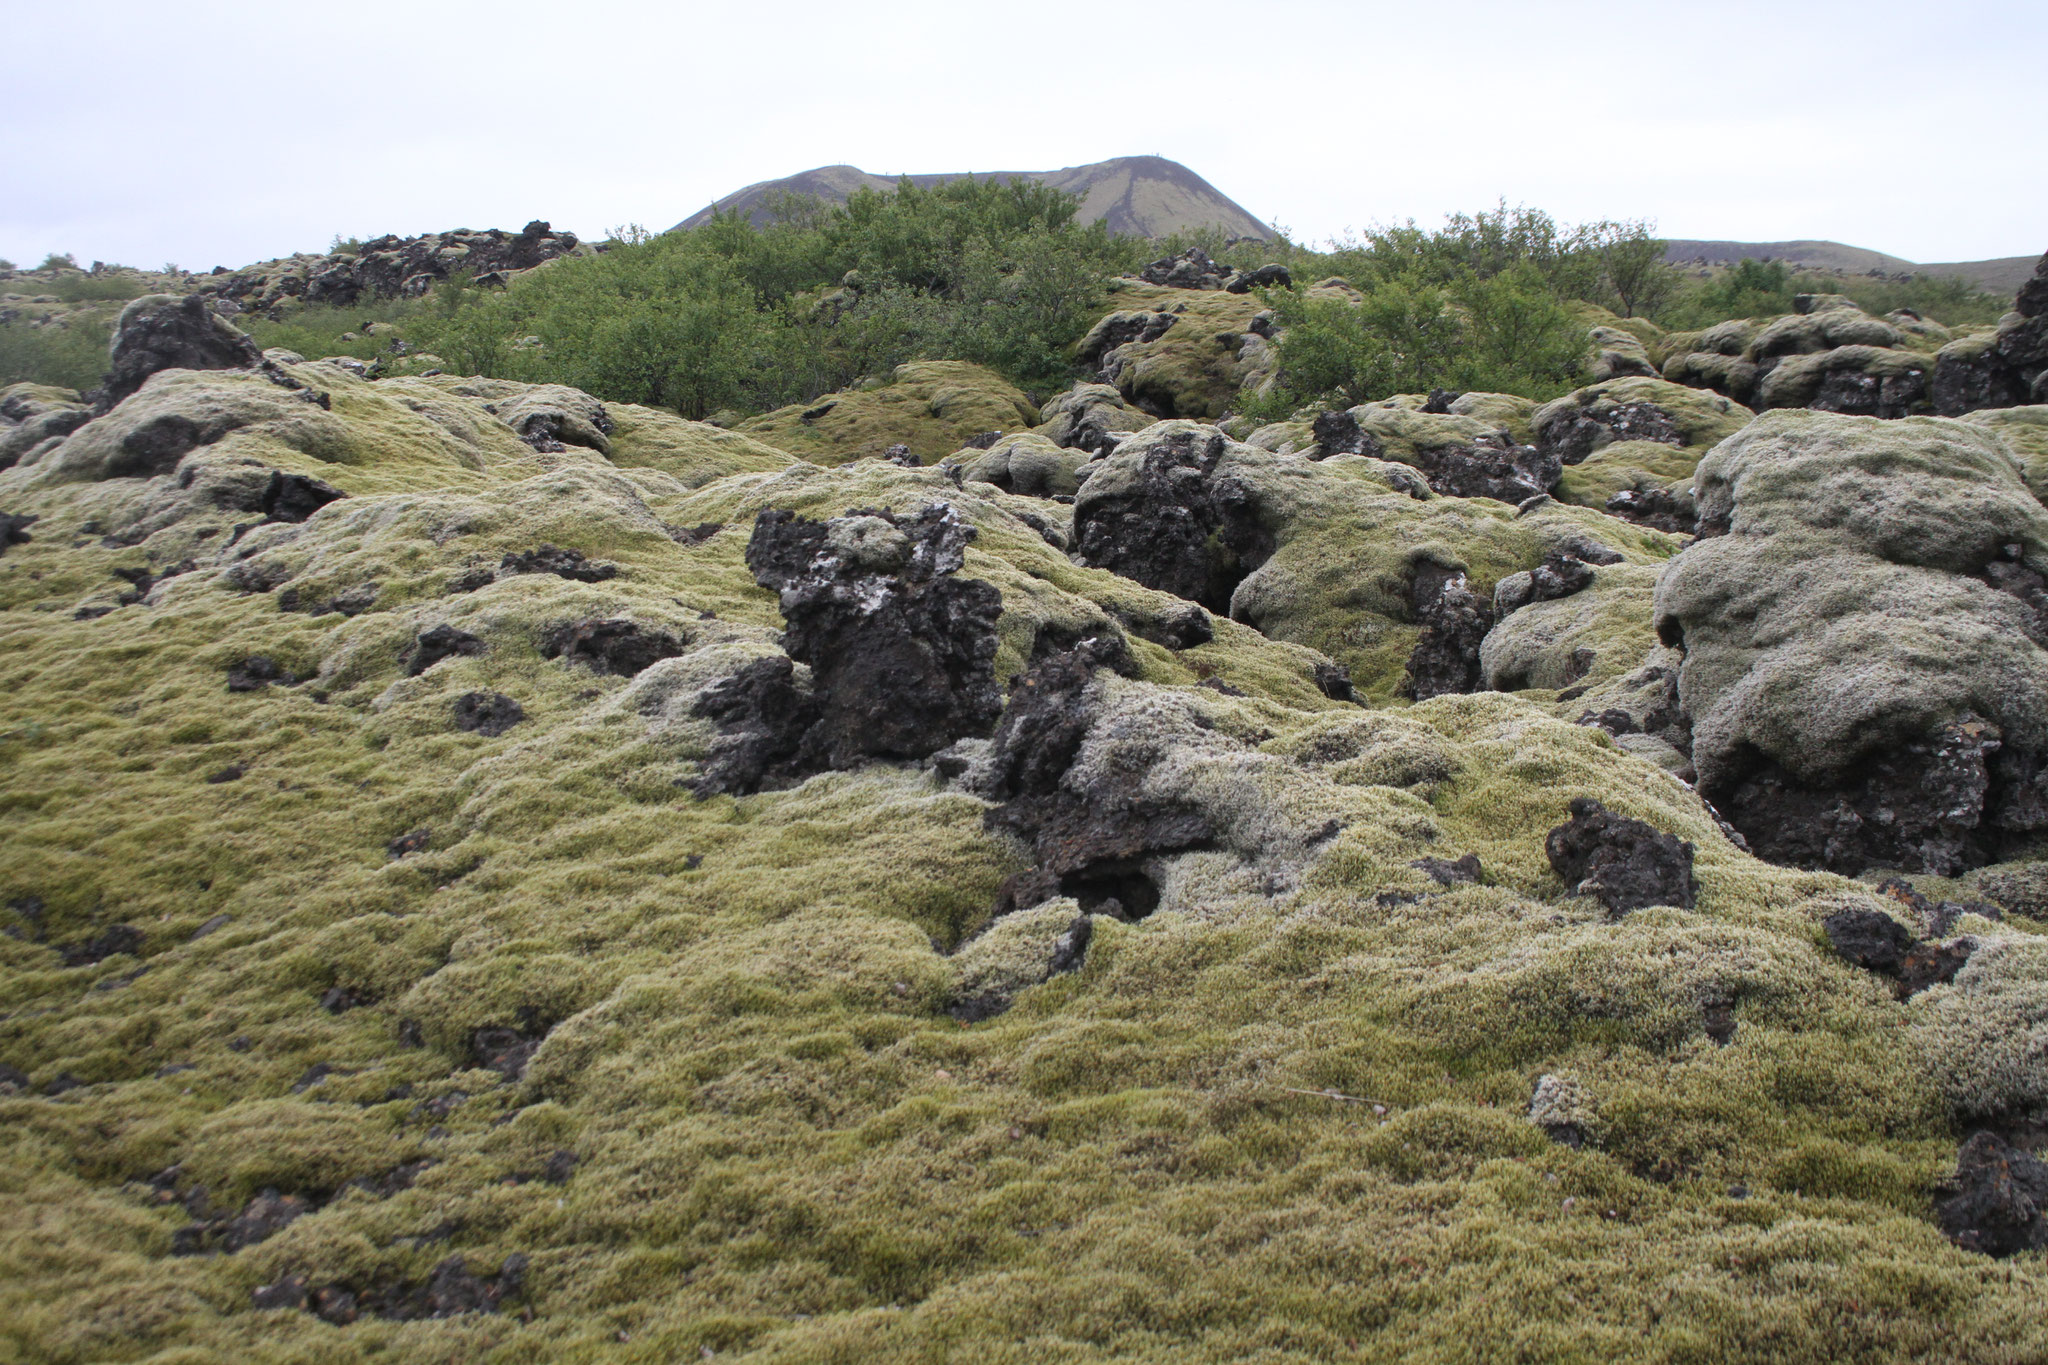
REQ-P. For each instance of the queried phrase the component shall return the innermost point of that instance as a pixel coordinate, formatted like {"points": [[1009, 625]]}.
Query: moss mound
{"points": [[933, 407]]}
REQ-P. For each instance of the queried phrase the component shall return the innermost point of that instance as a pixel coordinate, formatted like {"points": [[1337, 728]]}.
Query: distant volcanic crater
{"points": [[1136, 196]]}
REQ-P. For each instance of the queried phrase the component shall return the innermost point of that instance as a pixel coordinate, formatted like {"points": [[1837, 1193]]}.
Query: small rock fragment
{"points": [[438, 643], [257, 671], [614, 647], [487, 713], [1624, 863], [552, 559], [1994, 1202]]}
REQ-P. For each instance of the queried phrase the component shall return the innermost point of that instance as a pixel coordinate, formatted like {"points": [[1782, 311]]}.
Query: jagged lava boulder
{"points": [[901, 649], [171, 332]]}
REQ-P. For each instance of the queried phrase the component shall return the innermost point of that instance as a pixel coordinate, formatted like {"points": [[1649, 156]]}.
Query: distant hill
{"points": [[2001, 276], [1137, 196]]}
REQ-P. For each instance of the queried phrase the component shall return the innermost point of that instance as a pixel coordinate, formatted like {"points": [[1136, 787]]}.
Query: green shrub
{"points": [[730, 315], [1755, 289], [1508, 332], [101, 288], [1752, 289], [323, 330], [1945, 299], [71, 354]]}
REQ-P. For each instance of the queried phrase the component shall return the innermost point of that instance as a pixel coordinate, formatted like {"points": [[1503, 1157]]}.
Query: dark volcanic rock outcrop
{"points": [[2003, 369], [1091, 840], [489, 714], [611, 647], [551, 559], [171, 332], [1158, 512], [1457, 456], [391, 267], [1878, 943], [1454, 622], [762, 716], [1995, 1201], [901, 649]]}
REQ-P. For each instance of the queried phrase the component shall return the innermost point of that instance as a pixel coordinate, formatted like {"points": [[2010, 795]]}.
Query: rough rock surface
{"points": [[553, 559], [390, 267], [33, 416], [1159, 515], [14, 529], [1863, 381], [1458, 457], [438, 643], [489, 714], [2002, 369], [762, 711], [612, 646], [1029, 465], [901, 649], [1091, 844], [294, 497], [1454, 622], [1090, 417], [171, 332], [451, 1290], [1995, 1201], [1586, 421], [1192, 269], [1862, 690], [1878, 943], [1625, 864]]}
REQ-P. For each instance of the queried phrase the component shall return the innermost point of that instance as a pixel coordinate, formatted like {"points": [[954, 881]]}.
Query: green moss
{"points": [[1626, 464], [1699, 418], [1197, 366], [932, 406], [787, 1147], [2025, 432], [1840, 614]]}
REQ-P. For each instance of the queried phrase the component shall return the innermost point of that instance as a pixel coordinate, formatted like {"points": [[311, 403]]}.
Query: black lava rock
{"points": [[14, 529], [1624, 863], [901, 649], [165, 332], [1994, 1202], [487, 713], [256, 672], [1454, 621], [552, 559], [1179, 528], [1091, 844], [613, 647], [115, 939], [294, 497], [438, 643], [1921, 806], [762, 718]]}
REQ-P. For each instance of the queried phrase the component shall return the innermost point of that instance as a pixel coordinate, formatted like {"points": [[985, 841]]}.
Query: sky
{"points": [[221, 132]]}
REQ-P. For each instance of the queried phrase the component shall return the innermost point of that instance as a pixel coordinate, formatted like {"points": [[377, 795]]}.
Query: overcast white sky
{"points": [[222, 132]]}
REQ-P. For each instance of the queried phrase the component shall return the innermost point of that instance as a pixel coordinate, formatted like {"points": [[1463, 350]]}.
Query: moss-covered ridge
{"points": [[932, 407], [1285, 1117]]}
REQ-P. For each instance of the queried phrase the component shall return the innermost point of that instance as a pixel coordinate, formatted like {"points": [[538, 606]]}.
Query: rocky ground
{"points": [[492, 874]]}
